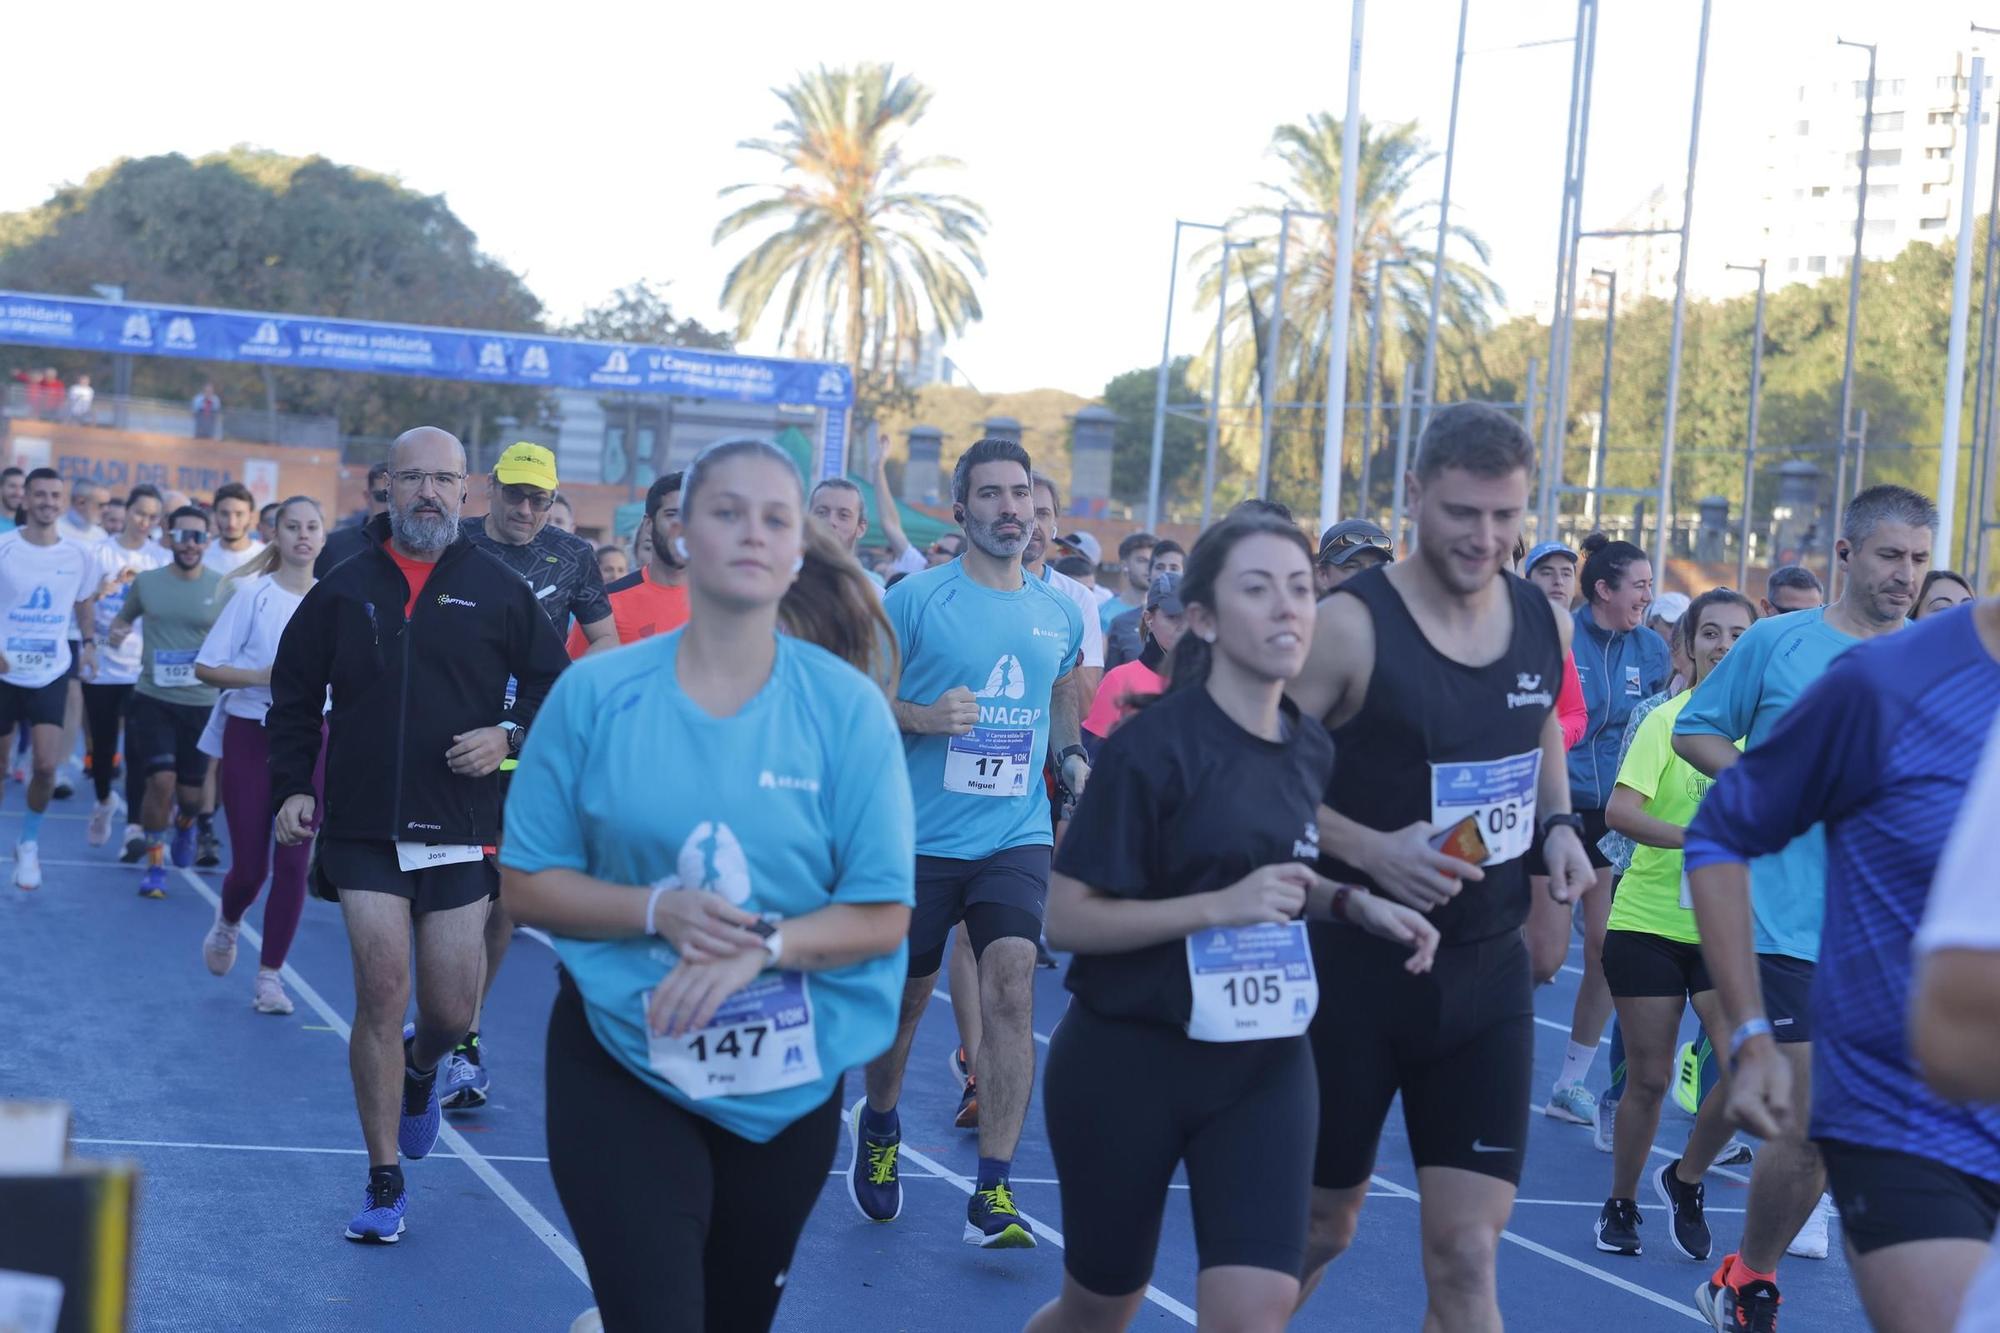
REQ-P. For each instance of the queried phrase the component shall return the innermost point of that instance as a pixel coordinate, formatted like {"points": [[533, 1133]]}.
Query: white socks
{"points": [[1577, 1061]]}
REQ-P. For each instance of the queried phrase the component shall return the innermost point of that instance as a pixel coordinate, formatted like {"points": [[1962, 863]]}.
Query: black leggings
{"points": [[104, 707], [1243, 1116], [684, 1225]]}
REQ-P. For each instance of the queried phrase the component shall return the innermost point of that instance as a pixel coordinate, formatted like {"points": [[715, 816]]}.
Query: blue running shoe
{"points": [[465, 1084], [872, 1179], [380, 1221], [183, 848], [153, 884], [993, 1223], [422, 1116]]}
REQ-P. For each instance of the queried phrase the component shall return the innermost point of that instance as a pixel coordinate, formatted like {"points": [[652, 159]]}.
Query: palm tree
{"points": [[859, 247], [1389, 225]]}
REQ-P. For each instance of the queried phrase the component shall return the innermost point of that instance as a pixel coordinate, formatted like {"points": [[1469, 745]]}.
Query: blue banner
{"points": [[304, 342]]}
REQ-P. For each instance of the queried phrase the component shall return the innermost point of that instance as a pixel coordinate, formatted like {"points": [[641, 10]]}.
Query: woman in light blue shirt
{"points": [[714, 826]]}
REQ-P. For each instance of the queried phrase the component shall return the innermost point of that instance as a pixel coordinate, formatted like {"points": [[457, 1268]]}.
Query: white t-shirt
{"points": [[224, 561], [39, 589], [911, 561], [85, 535], [115, 561], [246, 635], [1093, 627]]}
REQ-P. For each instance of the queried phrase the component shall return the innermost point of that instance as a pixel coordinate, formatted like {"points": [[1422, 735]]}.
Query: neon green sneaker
{"points": [[993, 1223], [1687, 1079]]}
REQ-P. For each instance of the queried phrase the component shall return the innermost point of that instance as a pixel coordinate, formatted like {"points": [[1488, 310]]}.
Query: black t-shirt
{"points": [[1183, 801], [560, 566]]}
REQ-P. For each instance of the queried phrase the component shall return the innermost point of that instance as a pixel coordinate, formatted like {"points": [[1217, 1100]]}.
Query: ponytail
{"points": [[272, 556], [833, 604], [1193, 656]]}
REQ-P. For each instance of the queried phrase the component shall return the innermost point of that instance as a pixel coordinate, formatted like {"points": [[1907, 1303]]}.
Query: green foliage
{"points": [[641, 313], [1131, 396]]}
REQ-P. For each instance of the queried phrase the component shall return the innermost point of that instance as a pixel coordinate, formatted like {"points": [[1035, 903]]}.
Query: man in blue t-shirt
{"points": [[985, 692], [1763, 951]]}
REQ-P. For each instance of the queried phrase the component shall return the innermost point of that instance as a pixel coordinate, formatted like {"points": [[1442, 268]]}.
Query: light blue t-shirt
{"points": [[1109, 610], [982, 793], [798, 801], [1743, 699]]}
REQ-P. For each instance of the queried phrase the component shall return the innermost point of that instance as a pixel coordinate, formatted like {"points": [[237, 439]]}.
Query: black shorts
{"points": [[75, 671], [161, 736], [1594, 829], [1787, 985], [1639, 965], [41, 706], [1241, 1115], [1457, 1042], [1887, 1198], [357, 864], [1002, 896]]}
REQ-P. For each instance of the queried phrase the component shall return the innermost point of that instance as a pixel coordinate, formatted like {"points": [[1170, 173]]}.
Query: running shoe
{"points": [[66, 780], [183, 847], [1618, 1227], [993, 1223], [961, 1068], [1687, 1079], [1688, 1229], [1043, 958], [1750, 1308], [1603, 1132], [270, 997], [465, 1083], [380, 1221], [153, 884], [219, 949], [422, 1117], [135, 845], [1738, 1153], [28, 865], [1810, 1243], [968, 1106], [208, 850], [98, 831], [872, 1179], [1574, 1103], [590, 1321]]}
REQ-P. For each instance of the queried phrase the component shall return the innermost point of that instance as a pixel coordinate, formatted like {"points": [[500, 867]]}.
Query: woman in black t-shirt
{"points": [[1182, 888]]}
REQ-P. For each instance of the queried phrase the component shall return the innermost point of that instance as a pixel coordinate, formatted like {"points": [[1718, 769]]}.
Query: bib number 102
{"points": [[1246, 992]]}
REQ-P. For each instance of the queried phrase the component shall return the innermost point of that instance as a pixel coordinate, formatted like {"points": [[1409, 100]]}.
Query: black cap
{"points": [[1164, 594], [1349, 537]]}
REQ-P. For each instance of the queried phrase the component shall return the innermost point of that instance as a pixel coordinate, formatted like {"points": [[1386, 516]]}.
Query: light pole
{"points": [[1215, 382], [1555, 422], [1756, 400], [1983, 408], [1666, 515], [1272, 336], [1374, 375], [1961, 290], [1853, 310], [1166, 359], [1343, 283], [1599, 461], [1444, 223]]}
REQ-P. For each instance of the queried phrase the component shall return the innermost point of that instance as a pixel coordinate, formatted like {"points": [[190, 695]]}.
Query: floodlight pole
{"points": [[1343, 282], [1756, 401], [1568, 243], [1853, 312], [1160, 388], [1444, 221], [1599, 460], [1402, 460], [1374, 376], [1272, 336], [1215, 383], [1983, 425], [1961, 291], [1667, 442]]}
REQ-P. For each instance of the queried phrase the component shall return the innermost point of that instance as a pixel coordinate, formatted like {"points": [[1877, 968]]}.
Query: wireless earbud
{"points": [[798, 564], [681, 547]]}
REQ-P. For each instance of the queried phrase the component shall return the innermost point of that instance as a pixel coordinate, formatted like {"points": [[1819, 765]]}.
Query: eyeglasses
{"points": [[188, 537], [537, 500], [440, 481]]}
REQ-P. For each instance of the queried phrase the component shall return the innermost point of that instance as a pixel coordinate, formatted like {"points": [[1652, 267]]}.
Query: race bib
{"points": [[430, 855], [760, 1040], [30, 655], [1499, 793], [1250, 983], [990, 761], [174, 669], [1687, 893]]}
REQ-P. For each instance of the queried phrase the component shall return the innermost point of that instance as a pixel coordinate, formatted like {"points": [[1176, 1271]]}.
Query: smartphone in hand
{"points": [[1463, 840]]}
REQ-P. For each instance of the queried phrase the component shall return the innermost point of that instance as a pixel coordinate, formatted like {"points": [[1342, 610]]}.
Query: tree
{"points": [[262, 231], [860, 251], [641, 313], [1131, 396]]}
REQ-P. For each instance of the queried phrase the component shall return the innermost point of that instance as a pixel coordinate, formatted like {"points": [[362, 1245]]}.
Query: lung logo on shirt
{"points": [[712, 859], [1007, 681], [42, 600]]}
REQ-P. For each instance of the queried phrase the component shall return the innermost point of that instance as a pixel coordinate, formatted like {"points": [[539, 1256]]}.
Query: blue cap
{"points": [[1542, 552]]}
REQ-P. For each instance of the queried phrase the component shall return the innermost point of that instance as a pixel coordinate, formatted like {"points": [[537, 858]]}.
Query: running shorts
{"points": [[1594, 829], [161, 736], [40, 707], [356, 864], [1638, 964], [1240, 1115], [1787, 985], [1002, 896], [1457, 1042], [1887, 1198]]}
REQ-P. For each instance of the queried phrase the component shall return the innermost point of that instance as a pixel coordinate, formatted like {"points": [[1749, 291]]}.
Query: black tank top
{"points": [[1438, 740]]}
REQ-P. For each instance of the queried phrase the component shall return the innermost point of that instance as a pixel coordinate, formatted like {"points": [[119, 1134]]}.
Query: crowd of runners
{"points": [[1309, 822]]}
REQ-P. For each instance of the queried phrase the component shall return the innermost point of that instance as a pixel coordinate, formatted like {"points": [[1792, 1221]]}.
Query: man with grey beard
{"points": [[416, 637]]}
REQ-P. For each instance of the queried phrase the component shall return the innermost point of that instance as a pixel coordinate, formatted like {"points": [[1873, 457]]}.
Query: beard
{"points": [[426, 526], [983, 536]]}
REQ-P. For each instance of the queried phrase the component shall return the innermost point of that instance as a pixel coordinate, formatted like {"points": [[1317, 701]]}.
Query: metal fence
{"points": [[164, 416]]}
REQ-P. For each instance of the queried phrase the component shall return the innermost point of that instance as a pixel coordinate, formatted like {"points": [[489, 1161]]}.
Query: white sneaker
{"points": [[218, 948], [27, 865], [1603, 1134], [101, 816], [1810, 1243], [1572, 1102], [270, 997]]}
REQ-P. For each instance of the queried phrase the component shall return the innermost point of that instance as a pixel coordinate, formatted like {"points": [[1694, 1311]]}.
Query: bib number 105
{"points": [[1250, 991]]}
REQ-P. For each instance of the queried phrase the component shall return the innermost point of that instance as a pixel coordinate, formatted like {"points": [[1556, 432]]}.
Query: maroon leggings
{"points": [[246, 804]]}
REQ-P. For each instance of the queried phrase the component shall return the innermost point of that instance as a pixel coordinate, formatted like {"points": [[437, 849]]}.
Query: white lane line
{"points": [[1577, 971], [1588, 1270], [940, 994], [1653, 1148], [273, 1147], [1564, 1029], [1598, 1203], [530, 1216]]}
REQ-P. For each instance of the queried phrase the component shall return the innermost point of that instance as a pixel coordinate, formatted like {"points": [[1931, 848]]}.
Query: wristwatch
{"points": [[1072, 752], [774, 939], [516, 734], [1573, 822]]}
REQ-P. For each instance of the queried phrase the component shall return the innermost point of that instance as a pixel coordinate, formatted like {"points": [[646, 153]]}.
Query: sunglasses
{"points": [[188, 537], [1347, 541], [537, 500]]}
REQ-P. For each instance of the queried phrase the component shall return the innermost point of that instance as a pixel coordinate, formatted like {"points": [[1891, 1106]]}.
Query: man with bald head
{"points": [[416, 637]]}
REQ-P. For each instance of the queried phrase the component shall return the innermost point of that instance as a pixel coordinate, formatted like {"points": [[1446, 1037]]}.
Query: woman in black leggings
{"points": [[1182, 886]]}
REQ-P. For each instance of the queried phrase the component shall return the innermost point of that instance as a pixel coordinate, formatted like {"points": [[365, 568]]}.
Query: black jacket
{"points": [[342, 544], [402, 688]]}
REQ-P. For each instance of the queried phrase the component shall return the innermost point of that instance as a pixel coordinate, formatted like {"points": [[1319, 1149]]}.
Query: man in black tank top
{"points": [[1437, 677]]}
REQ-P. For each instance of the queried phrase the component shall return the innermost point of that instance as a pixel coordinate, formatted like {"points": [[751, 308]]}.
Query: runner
{"points": [[838, 503], [417, 639], [107, 692], [1164, 621], [1652, 953], [651, 600], [13, 490], [1942, 591], [1879, 754], [612, 562], [352, 539], [235, 541], [1791, 588], [1123, 642], [79, 522], [1352, 546], [1955, 1016], [1438, 676], [1182, 888], [1885, 543], [267, 523], [694, 1080], [1619, 661], [1034, 562], [170, 705], [1551, 566], [45, 588], [236, 658], [983, 843], [562, 514], [1135, 562]]}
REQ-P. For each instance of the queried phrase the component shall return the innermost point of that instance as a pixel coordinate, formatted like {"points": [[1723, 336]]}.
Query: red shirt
{"points": [[640, 608], [1571, 710], [415, 572]]}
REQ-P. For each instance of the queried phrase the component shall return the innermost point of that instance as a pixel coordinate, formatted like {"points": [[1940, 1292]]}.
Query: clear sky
{"points": [[585, 144]]}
